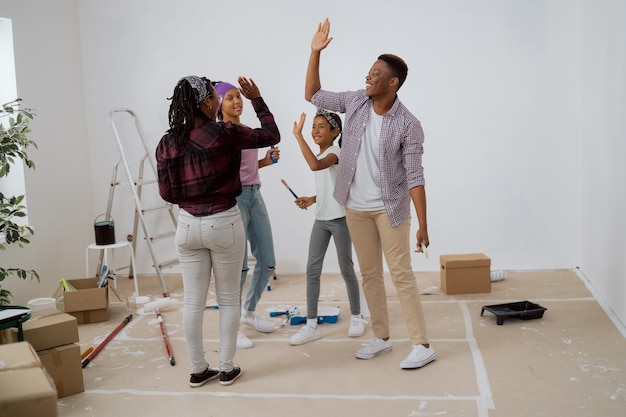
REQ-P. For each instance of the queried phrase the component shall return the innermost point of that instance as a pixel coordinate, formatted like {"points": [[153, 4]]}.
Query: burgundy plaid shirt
{"points": [[203, 177], [400, 151]]}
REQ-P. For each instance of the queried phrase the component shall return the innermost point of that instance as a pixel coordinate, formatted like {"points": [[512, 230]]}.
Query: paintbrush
{"points": [[290, 190]]}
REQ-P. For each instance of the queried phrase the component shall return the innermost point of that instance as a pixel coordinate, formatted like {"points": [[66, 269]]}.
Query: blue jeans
{"points": [[256, 222], [208, 244]]}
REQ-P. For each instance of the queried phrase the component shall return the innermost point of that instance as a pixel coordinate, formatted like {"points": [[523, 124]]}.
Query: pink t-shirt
{"points": [[249, 170]]}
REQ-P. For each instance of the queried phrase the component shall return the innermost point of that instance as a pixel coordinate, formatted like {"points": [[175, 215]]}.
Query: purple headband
{"points": [[222, 88]]}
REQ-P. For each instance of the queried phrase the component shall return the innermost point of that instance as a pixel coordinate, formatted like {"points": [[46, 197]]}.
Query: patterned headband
{"points": [[328, 116], [199, 87]]}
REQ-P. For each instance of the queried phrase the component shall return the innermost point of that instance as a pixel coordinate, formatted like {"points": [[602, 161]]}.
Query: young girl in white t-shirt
{"points": [[330, 220]]}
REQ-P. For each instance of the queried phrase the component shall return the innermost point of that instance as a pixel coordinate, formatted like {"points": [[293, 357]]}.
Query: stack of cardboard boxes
{"points": [[54, 336], [27, 388], [50, 353]]}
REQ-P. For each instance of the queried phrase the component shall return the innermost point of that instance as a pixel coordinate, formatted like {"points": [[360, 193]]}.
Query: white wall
{"points": [[60, 204], [486, 79], [603, 149], [495, 84]]}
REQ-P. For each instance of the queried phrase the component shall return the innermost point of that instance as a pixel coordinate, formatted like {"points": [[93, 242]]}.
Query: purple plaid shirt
{"points": [[400, 151], [203, 177]]}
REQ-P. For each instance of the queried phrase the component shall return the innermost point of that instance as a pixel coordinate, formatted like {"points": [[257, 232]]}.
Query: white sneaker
{"points": [[243, 342], [418, 357], [257, 323], [305, 334], [375, 347], [357, 326]]}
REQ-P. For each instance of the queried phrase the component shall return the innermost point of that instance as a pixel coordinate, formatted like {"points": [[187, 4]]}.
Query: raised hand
{"points": [[320, 38], [297, 126], [248, 88]]}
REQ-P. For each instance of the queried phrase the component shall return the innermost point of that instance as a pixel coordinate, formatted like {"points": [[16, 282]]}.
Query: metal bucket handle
{"points": [[107, 217]]}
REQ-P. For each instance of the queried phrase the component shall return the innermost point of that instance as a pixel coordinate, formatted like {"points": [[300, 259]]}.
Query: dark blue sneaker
{"points": [[227, 378], [198, 380]]}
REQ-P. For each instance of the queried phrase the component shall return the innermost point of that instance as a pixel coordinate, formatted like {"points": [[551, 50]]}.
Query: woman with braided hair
{"points": [[198, 169]]}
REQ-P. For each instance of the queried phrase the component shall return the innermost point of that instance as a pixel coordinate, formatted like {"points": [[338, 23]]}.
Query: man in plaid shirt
{"points": [[380, 172]]}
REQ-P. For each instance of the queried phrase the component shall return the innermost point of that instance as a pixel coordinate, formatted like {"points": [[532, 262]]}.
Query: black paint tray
{"points": [[522, 309]]}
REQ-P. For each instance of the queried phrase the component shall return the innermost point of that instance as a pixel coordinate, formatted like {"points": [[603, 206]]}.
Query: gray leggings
{"points": [[320, 237]]}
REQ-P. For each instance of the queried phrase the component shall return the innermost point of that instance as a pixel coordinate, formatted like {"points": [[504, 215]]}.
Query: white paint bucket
{"points": [[42, 303]]}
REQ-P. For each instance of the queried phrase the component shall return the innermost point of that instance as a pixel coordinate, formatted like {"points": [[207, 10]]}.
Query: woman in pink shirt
{"points": [[255, 218]]}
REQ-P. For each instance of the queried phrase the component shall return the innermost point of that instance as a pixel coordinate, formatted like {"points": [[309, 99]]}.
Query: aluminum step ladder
{"points": [[136, 186]]}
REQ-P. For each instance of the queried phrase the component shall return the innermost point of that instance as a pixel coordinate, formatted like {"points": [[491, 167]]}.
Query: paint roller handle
{"points": [[165, 338], [105, 341]]}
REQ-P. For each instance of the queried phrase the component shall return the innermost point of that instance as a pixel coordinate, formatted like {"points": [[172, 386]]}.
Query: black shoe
{"points": [[198, 380], [227, 378]]}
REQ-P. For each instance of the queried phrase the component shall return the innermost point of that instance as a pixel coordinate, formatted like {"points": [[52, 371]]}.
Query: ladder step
{"points": [[162, 236], [155, 209], [145, 182], [137, 182], [169, 263]]}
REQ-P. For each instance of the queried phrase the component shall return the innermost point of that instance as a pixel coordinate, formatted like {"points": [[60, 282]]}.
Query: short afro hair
{"points": [[398, 67]]}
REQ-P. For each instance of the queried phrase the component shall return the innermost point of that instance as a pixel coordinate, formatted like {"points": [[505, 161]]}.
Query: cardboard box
{"points": [[18, 355], [91, 316], [465, 273], [88, 303], [26, 389], [46, 329], [64, 366]]}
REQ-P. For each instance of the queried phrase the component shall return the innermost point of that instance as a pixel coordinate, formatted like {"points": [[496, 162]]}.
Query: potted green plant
{"points": [[14, 143]]}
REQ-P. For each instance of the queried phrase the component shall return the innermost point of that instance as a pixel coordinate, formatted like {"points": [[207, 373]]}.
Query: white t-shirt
{"points": [[365, 192], [327, 208]]}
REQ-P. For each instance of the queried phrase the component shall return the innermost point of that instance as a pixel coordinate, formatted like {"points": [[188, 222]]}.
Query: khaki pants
{"points": [[373, 236]]}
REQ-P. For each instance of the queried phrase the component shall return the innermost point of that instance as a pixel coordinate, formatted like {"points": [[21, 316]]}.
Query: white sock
{"points": [[311, 323]]}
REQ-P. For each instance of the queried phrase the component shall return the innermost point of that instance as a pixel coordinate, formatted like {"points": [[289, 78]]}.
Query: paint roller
{"points": [[151, 307]]}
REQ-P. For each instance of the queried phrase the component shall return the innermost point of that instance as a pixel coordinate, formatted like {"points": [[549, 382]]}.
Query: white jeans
{"points": [[208, 244]]}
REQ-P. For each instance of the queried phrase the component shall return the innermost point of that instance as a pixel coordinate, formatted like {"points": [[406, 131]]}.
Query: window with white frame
{"points": [[14, 183]]}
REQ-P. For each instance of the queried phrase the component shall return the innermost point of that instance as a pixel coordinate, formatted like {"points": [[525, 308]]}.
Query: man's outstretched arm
{"points": [[319, 42]]}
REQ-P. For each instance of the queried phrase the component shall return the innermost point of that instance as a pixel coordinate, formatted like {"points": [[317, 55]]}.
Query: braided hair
{"points": [[183, 110], [220, 115]]}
